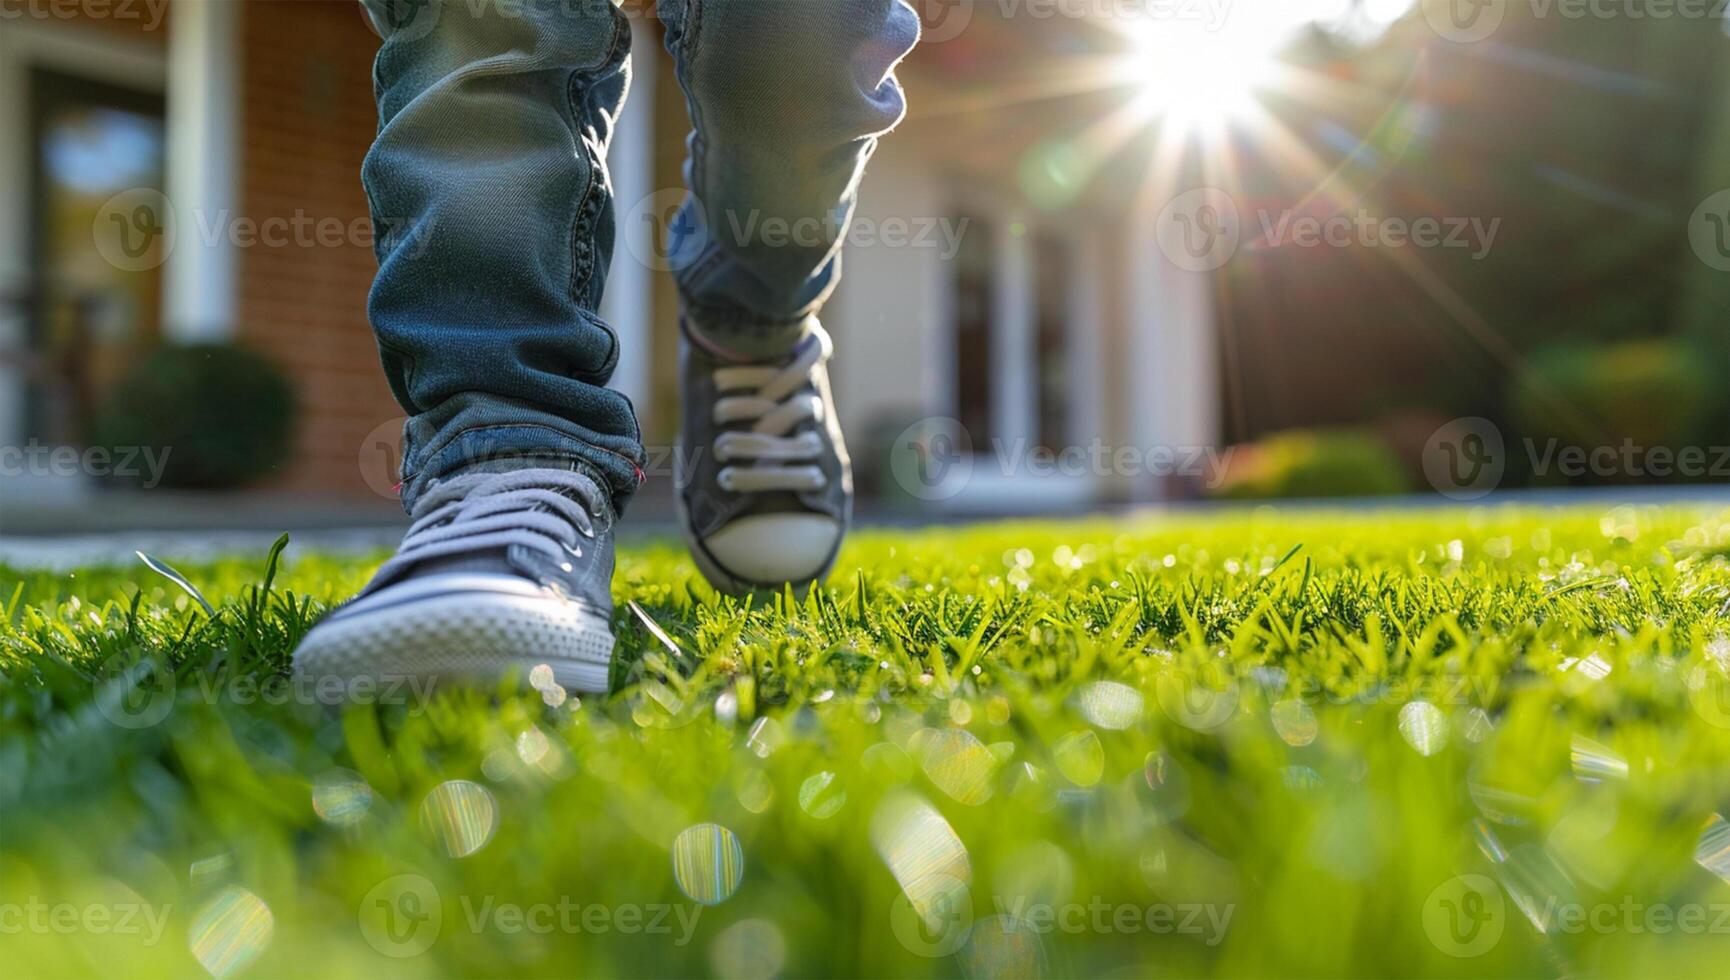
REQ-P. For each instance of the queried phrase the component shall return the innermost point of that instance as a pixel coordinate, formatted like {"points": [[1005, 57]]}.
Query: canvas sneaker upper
{"points": [[764, 483], [505, 570]]}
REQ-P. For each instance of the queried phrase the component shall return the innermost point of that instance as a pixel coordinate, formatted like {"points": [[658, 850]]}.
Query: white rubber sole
{"points": [[457, 628]]}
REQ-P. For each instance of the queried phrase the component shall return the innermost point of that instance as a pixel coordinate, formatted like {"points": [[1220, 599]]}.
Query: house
{"points": [[992, 279]]}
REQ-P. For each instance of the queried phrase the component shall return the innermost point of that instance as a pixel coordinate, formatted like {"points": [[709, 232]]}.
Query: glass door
{"points": [[95, 148]]}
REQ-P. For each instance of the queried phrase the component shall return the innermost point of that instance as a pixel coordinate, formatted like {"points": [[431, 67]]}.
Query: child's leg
{"points": [[488, 185], [787, 98]]}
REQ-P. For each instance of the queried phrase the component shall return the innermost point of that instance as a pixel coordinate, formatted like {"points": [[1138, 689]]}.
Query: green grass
{"points": [[1250, 743]]}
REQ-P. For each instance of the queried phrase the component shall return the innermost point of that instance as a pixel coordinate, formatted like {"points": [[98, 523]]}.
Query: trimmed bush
{"points": [[1312, 463], [1653, 392], [224, 415]]}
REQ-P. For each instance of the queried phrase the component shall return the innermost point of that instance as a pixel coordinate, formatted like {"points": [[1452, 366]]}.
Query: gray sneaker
{"points": [[500, 572], [764, 485]]}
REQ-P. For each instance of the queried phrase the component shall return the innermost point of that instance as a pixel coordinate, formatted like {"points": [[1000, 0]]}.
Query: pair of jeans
{"points": [[494, 214]]}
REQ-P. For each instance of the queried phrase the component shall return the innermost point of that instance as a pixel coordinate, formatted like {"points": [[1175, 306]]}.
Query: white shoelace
{"points": [[771, 400], [478, 512]]}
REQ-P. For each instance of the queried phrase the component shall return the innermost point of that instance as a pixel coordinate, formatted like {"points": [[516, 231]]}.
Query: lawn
{"points": [[1448, 742]]}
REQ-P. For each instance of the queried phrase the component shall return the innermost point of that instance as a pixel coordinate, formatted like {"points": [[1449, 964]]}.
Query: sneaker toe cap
{"points": [[766, 549]]}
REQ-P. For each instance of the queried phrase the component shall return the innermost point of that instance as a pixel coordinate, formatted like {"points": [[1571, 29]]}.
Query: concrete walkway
{"points": [[184, 527]]}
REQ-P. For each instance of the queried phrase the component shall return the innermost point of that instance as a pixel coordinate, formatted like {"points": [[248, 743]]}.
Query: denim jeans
{"points": [[488, 187]]}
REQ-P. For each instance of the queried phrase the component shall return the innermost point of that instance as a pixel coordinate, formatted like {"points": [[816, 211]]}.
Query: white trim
{"points": [[1014, 368], [628, 304], [93, 54], [201, 279], [1170, 373]]}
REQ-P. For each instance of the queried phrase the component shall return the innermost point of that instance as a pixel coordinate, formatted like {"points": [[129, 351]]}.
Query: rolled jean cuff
{"points": [[616, 465], [737, 335]]}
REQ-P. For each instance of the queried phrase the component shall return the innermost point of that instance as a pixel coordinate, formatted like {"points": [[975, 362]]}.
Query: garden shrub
{"points": [[223, 414], [1313, 463]]}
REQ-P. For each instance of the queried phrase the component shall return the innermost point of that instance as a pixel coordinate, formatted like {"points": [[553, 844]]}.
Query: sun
{"points": [[1204, 64], [1196, 76], [1193, 72]]}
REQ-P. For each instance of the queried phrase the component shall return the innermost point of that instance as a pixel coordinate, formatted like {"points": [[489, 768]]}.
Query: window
{"points": [[88, 318], [975, 315], [1014, 340]]}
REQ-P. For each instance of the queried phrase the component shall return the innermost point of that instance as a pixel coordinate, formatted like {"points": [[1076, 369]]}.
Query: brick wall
{"points": [[307, 120]]}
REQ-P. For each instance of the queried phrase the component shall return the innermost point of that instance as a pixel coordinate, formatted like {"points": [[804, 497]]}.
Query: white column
{"points": [[628, 303], [1171, 372], [1014, 377], [1086, 338], [201, 277]]}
